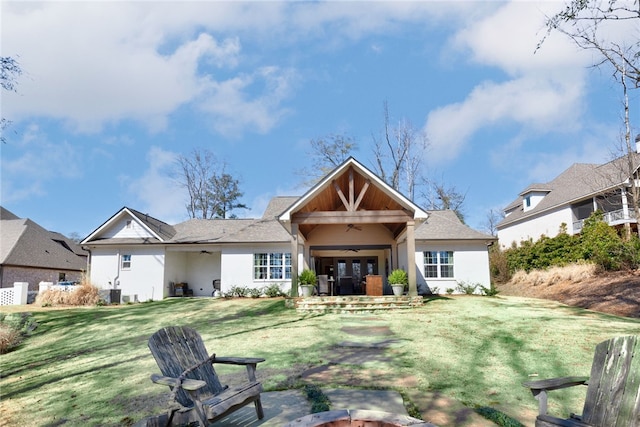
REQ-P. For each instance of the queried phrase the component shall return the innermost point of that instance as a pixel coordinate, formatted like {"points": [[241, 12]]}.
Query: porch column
{"points": [[411, 259], [625, 213], [294, 260]]}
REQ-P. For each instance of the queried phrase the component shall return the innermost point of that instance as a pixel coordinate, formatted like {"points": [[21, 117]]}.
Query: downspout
{"points": [[84, 248], [115, 279]]}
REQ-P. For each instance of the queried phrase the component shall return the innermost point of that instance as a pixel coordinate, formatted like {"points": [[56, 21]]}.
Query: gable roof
{"points": [[578, 182], [351, 193], [24, 243], [159, 231], [445, 225]]}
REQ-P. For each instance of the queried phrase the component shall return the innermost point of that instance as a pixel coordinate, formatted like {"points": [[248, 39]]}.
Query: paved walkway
{"points": [[369, 340]]}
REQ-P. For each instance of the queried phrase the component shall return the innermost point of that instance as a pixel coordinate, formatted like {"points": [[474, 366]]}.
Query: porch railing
{"points": [[611, 218]]}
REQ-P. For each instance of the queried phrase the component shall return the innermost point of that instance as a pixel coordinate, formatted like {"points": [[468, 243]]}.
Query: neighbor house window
{"points": [[438, 264], [273, 265], [126, 262]]}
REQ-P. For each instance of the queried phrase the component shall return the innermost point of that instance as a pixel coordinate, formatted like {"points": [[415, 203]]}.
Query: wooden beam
{"points": [[351, 191], [365, 187], [358, 217], [341, 194]]}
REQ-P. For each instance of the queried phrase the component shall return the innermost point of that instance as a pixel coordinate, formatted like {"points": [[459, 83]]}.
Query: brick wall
{"points": [[34, 276]]}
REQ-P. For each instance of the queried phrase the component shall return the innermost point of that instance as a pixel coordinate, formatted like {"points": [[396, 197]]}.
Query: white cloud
{"points": [[155, 191], [541, 91], [92, 64], [38, 163]]}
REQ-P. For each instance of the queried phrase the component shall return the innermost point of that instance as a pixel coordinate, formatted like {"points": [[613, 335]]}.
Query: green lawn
{"points": [[91, 366]]}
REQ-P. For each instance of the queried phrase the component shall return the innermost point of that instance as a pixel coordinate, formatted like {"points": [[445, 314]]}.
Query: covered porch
{"points": [[351, 226]]}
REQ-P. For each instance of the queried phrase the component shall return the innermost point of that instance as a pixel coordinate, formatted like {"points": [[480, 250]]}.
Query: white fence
{"points": [[16, 295]]}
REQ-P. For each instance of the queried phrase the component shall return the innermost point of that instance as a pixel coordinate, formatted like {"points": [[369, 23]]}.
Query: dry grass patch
{"points": [[572, 273], [9, 338], [81, 295]]}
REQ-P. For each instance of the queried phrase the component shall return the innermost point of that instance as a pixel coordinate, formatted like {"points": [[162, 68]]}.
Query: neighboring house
{"points": [[29, 253], [565, 202], [349, 225]]}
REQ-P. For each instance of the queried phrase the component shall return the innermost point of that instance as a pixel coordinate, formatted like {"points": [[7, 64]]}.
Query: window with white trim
{"points": [[126, 262], [438, 264], [271, 266]]}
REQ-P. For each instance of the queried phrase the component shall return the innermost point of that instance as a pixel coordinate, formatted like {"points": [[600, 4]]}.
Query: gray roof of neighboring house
{"points": [[24, 243], [579, 181], [445, 225]]}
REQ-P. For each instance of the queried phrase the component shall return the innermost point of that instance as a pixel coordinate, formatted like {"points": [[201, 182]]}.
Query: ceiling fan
{"points": [[350, 226]]}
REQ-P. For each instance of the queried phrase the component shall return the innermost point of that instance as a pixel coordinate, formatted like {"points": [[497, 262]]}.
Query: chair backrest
{"points": [[613, 394], [178, 348], [323, 284]]}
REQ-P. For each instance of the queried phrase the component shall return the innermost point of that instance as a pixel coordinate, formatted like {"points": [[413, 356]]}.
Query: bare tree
{"points": [[399, 153], [212, 194], [440, 196], [10, 70], [327, 153], [494, 216]]}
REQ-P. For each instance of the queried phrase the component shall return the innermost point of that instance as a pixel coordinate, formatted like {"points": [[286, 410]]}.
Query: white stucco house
{"points": [[569, 199], [348, 226]]}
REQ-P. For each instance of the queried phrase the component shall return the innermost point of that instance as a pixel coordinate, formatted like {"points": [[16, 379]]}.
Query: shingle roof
{"points": [[579, 181], [445, 225], [440, 225], [24, 243], [161, 228]]}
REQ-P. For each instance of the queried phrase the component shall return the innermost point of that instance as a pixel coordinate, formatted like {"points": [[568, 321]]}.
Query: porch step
{"points": [[355, 304]]}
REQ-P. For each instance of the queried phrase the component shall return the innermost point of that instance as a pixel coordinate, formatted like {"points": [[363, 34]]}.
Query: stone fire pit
{"points": [[357, 418]]}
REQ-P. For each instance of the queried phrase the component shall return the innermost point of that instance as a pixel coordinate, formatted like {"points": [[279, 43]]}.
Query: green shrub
{"points": [[602, 245], [467, 288], [255, 292], [491, 291], [237, 292], [273, 291], [449, 291], [598, 243]]}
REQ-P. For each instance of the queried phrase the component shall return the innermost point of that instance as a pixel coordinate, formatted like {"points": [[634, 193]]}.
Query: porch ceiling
{"points": [[351, 199]]}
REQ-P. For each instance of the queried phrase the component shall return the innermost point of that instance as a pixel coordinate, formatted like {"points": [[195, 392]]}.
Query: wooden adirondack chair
{"points": [[185, 364], [613, 389]]}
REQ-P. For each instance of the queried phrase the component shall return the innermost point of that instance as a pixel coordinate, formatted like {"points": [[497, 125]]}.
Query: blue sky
{"points": [[113, 91]]}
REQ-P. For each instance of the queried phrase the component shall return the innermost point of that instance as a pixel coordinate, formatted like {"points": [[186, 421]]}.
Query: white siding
{"points": [[142, 282], [533, 228], [119, 229], [470, 264], [237, 266]]}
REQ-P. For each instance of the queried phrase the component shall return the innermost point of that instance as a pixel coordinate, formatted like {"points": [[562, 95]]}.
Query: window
{"points": [[438, 264], [275, 265], [527, 201], [126, 262]]}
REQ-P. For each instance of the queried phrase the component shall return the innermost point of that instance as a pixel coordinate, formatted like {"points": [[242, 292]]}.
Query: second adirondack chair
{"points": [[613, 388]]}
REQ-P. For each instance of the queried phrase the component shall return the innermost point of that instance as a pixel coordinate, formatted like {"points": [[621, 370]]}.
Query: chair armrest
{"points": [[540, 388], [187, 384], [238, 360], [556, 383], [249, 362]]}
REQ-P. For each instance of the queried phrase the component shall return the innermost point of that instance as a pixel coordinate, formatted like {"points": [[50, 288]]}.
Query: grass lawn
{"points": [[91, 366]]}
